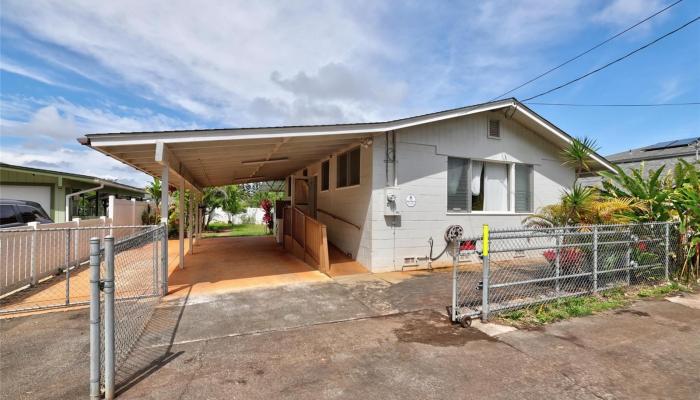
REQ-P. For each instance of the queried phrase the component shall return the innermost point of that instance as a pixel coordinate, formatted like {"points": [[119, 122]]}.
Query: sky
{"points": [[68, 68]]}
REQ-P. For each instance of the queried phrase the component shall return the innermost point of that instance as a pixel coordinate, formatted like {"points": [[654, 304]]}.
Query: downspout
{"points": [[68, 197]]}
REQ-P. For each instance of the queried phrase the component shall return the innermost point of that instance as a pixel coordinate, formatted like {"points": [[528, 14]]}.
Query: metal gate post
{"points": [[666, 252], [164, 257], [455, 260], [94, 318], [628, 258], [595, 259], [67, 266], [557, 263], [155, 264], [109, 317], [32, 254], [485, 277]]}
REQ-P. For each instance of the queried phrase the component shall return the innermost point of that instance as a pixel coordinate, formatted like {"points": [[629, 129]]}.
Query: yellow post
{"points": [[485, 241]]}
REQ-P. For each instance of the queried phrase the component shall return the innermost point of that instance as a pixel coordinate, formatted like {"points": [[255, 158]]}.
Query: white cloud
{"points": [[669, 89], [622, 13]]}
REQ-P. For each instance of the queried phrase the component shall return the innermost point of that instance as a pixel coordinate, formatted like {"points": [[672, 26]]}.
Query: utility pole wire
{"points": [[614, 61], [587, 51]]}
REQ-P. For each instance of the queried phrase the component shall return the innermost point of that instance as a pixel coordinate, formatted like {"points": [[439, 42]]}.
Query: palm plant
{"points": [[154, 189], [578, 154], [685, 199], [583, 205]]}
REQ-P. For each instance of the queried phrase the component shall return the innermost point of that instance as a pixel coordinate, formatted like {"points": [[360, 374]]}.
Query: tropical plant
{"points": [[685, 200], [583, 205], [578, 154], [266, 205], [154, 190], [650, 189]]}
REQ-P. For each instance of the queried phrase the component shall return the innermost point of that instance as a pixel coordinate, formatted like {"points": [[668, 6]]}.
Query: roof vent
{"points": [[494, 129]]}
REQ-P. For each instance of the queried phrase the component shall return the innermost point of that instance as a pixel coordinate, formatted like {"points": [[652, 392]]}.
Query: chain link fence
{"points": [[526, 266], [128, 278], [47, 267]]}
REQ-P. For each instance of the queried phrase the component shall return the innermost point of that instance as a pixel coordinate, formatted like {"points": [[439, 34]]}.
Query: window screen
{"points": [[325, 169], [457, 181], [523, 189], [7, 214], [342, 170]]}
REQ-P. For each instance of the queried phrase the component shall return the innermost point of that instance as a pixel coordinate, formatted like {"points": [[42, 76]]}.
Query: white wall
{"points": [[125, 212], [422, 153], [219, 215], [349, 203]]}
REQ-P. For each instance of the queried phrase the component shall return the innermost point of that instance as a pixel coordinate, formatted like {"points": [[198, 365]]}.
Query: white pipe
{"points": [[68, 197]]}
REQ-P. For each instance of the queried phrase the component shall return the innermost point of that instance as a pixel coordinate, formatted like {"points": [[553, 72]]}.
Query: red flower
{"points": [[642, 246]]}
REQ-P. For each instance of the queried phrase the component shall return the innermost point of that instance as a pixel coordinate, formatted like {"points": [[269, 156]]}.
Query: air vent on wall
{"points": [[494, 129]]}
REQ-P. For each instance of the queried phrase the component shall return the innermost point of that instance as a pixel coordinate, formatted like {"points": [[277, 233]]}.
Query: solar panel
{"points": [[671, 144]]}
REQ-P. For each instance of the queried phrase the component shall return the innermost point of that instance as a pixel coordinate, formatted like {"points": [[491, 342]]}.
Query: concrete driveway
{"points": [[370, 336]]}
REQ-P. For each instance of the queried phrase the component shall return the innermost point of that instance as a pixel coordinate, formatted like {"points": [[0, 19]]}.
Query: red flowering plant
{"points": [[266, 205], [570, 258]]}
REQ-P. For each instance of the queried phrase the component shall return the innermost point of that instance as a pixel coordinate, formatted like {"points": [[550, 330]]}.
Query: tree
{"points": [[233, 201], [155, 191], [212, 198]]}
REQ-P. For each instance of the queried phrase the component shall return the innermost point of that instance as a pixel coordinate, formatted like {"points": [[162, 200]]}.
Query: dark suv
{"points": [[20, 212]]}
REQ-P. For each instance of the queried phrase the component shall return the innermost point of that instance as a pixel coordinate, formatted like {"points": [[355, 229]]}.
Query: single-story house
{"points": [[381, 189], [86, 196]]}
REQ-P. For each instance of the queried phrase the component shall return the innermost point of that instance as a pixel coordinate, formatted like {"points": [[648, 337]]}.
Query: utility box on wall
{"points": [[391, 201]]}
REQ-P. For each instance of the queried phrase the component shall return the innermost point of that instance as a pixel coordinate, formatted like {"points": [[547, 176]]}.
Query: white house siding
{"points": [[349, 203], [422, 153]]}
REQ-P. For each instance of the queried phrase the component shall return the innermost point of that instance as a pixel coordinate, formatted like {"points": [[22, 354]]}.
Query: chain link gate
{"points": [[528, 266], [127, 281]]}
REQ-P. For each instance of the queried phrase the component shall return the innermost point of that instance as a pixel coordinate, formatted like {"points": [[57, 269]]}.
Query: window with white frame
{"points": [[484, 186], [348, 168]]}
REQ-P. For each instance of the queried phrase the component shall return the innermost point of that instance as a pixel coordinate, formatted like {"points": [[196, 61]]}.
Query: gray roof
{"points": [[663, 150], [70, 175]]}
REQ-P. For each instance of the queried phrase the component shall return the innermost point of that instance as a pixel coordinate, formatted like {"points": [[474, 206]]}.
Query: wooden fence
{"points": [[306, 238]]}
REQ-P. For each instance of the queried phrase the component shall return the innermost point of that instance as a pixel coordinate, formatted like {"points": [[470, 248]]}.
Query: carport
{"points": [[192, 160]]}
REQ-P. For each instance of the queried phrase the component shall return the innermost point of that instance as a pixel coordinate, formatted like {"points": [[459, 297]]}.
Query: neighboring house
{"points": [[251, 215], [654, 156], [382, 189], [87, 195]]}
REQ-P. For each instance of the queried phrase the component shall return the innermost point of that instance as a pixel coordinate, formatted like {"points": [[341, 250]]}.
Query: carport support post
{"points": [[455, 260], [94, 318], [109, 317], [190, 221], [181, 222], [164, 207]]}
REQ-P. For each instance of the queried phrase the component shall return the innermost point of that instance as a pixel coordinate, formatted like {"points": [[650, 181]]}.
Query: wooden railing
{"points": [[306, 238]]}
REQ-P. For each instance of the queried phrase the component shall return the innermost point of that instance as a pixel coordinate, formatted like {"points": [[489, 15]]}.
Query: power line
{"points": [[614, 61], [587, 51], [616, 105]]}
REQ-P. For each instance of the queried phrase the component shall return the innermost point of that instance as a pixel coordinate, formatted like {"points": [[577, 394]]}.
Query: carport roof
{"points": [[214, 157]]}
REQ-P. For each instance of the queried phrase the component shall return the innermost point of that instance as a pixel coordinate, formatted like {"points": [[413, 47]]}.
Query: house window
{"points": [[348, 171], [523, 188], [325, 169], [484, 186], [494, 129]]}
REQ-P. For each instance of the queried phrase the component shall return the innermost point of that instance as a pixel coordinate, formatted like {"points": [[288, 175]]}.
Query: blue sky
{"points": [[74, 67]]}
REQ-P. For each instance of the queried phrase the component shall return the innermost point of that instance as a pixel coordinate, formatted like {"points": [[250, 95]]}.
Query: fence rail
{"points": [[522, 267], [127, 280], [44, 266], [306, 238]]}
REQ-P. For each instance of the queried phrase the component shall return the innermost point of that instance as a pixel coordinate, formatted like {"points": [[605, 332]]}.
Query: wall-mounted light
{"points": [[366, 142]]}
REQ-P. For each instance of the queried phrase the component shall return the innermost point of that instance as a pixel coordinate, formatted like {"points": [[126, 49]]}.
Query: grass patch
{"points": [[571, 307], [220, 229]]}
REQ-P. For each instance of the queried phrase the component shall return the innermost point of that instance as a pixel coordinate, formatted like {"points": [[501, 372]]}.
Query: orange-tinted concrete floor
{"points": [[341, 264], [225, 264]]}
